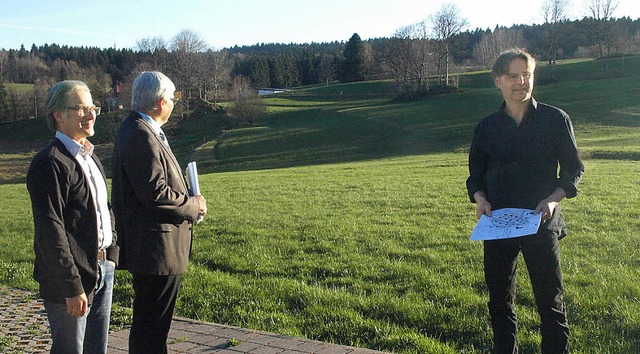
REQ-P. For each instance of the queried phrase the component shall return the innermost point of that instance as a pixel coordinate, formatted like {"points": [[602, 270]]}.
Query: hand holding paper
{"points": [[506, 223], [194, 186]]}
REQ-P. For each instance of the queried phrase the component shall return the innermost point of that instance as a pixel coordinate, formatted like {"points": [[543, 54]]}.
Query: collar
{"points": [[74, 147], [154, 125], [533, 106]]}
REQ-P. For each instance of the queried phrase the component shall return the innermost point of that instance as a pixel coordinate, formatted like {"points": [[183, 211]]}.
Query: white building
{"points": [[269, 91]]}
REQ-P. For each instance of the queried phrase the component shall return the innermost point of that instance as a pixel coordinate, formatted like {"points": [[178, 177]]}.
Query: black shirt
{"points": [[517, 166]]}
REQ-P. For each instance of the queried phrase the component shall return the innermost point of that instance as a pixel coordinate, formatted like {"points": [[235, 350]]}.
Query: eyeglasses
{"points": [[176, 96], [86, 110]]}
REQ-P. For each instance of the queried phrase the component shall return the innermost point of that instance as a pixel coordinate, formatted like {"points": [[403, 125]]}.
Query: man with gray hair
{"points": [[75, 241], [154, 211]]}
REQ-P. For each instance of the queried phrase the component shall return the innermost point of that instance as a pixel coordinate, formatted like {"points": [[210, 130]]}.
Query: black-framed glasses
{"points": [[86, 110]]}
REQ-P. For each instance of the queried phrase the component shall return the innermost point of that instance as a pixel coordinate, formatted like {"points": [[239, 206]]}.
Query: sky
{"points": [[227, 23]]}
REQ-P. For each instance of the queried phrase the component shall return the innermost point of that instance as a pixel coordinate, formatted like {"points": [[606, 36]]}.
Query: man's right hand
{"points": [[483, 207], [78, 306], [202, 205]]}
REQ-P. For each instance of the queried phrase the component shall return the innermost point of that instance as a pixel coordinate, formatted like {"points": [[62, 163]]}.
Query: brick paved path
{"points": [[24, 329], [23, 323]]}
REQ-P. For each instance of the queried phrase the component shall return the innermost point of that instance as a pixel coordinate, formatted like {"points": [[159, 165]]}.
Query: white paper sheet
{"points": [[192, 179], [506, 223]]}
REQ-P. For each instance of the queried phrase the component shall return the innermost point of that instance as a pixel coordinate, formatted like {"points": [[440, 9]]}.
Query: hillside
{"points": [[351, 122], [360, 121]]}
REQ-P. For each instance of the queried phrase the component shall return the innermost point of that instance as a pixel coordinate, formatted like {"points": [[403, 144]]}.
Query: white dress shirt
{"points": [[97, 185], [156, 127]]}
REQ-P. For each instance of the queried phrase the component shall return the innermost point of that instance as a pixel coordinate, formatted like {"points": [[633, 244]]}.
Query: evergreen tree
{"points": [[4, 105], [259, 71], [308, 68], [354, 64]]}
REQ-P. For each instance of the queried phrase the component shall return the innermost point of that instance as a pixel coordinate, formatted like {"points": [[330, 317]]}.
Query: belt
{"points": [[102, 255]]}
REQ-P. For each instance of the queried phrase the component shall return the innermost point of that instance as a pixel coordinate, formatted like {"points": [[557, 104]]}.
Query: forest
{"points": [[418, 58]]}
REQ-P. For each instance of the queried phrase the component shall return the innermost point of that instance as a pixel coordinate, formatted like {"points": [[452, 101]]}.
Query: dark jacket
{"points": [[153, 210], [64, 218]]}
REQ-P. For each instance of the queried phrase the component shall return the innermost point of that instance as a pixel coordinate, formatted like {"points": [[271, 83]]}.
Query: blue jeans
{"points": [[87, 334]]}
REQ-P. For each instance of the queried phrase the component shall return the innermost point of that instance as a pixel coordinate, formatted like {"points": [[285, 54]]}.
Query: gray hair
{"points": [[58, 96], [501, 66], [148, 88]]}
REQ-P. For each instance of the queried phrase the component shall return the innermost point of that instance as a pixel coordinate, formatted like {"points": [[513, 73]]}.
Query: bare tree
{"points": [[156, 48], [29, 68], [408, 56], [240, 86], [151, 44], [219, 71], [187, 48], [554, 12], [423, 49], [247, 105], [188, 41], [447, 22], [398, 55], [602, 11], [492, 44]]}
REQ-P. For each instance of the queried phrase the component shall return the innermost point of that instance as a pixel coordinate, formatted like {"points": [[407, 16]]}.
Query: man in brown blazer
{"points": [[154, 211]]}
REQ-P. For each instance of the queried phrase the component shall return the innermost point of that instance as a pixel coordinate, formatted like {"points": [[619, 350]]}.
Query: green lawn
{"points": [[19, 88], [346, 220]]}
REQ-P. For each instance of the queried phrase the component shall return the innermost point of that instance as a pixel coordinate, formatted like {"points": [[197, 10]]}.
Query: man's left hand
{"points": [[546, 207]]}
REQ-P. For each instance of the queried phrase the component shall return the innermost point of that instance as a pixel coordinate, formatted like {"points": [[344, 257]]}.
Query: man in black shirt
{"points": [[513, 163]]}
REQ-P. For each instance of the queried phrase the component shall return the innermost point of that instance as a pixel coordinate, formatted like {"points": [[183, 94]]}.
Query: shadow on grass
{"points": [[615, 155], [345, 132]]}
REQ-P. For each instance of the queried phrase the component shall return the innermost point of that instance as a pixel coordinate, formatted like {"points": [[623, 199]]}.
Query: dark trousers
{"points": [[153, 305], [541, 253]]}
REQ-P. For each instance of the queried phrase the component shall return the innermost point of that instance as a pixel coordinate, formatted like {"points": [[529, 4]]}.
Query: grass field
{"points": [[19, 88], [344, 218]]}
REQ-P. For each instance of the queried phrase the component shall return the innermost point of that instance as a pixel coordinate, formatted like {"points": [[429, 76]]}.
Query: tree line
{"points": [[418, 58]]}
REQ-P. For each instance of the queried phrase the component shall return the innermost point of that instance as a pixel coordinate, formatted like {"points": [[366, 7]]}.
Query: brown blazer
{"points": [[66, 232], [153, 210]]}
